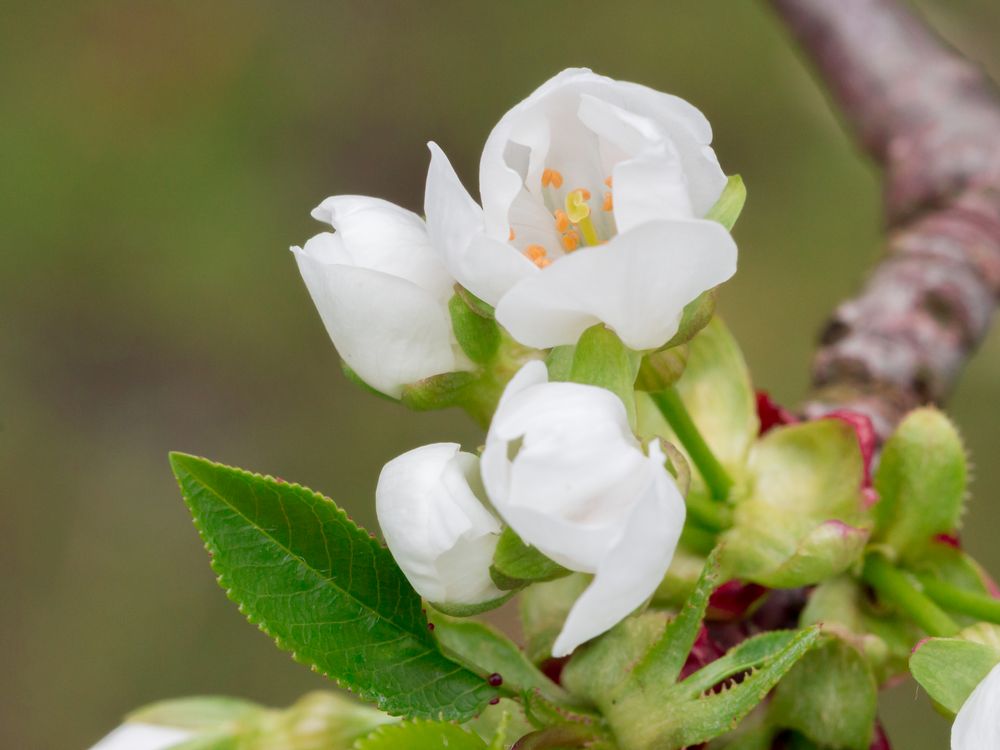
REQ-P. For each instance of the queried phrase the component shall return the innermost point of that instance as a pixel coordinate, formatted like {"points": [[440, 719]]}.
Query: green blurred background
{"points": [[158, 160]]}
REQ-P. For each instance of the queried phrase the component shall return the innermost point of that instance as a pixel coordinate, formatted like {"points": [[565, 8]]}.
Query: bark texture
{"points": [[931, 120]]}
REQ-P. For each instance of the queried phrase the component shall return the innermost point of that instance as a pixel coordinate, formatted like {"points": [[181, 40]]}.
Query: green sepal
{"points": [[921, 481], [453, 609], [830, 696], [439, 391], [478, 306], [660, 370], [696, 315], [421, 735], [883, 635], [197, 712], [949, 669], [602, 359], [559, 363], [730, 204], [544, 608], [327, 591], [478, 335], [486, 652], [804, 521], [356, 379], [516, 564]]}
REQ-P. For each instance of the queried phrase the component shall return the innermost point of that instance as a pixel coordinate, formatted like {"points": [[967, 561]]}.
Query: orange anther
{"points": [[608, 181], [543, 262], [534, 252], [551, 177], [570, 241], [608, 204], [584, 193], [511, 238], [562, 221]]}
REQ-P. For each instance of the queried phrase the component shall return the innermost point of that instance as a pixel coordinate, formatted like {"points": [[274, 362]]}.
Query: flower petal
{"points": [[485, 266], [635, 565], [388, 330], [376, 234], [638, 284], [977, 726]]}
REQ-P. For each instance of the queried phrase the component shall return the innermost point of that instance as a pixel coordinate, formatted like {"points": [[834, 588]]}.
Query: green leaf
{"points": [[743, 657], [804, 521], [830, 696], [479, 336], [730, 204], [544, 608], [668, 721], [921, 481], [949, 669], [516, 564], [421, 735], [599, 667], [325, 590], [716, 390], [602, 359], [664, 661], [486, 652]]}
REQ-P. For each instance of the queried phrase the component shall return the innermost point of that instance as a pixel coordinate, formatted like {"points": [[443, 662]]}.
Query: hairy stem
{"points": [[895, 587]]}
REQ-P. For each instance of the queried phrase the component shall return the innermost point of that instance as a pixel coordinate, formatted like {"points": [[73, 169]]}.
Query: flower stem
{"points": [[981, 606], [670, 405], [896, 587]]}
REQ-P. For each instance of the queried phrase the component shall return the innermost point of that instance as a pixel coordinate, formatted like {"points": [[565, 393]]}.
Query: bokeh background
{"points": [[158, 158]]}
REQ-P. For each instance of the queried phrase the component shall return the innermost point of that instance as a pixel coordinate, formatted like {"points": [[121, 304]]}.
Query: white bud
{"points": [[437, 528], [382, 291], [139, 736]]}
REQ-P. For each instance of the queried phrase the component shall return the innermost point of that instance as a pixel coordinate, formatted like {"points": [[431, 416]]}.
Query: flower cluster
{"points": [[594, 201]]}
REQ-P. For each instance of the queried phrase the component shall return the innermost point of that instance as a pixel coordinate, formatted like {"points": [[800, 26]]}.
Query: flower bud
{"points": [[382, 292], [140, 736], [562, 467], [437, 528]]}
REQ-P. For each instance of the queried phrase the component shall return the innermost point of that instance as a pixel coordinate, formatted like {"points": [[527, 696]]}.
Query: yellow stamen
{"points": [[534, 252], [552, 177], [608, 204], [562, 221], [570, 241]]}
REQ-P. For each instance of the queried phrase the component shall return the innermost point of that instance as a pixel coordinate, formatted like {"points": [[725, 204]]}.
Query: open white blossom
{"points": [[382, 292], [438, 530], [594, 193], [562, 467], [139, 736], [977, 726]]}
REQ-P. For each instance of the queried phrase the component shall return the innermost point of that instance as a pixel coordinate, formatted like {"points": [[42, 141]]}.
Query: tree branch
{"points": [[931, 119]]}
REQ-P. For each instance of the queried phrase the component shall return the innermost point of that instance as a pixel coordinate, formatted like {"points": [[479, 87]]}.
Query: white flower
{"points": [[138, 736], [563, 468], [438, 530], [593, 196], [977, 726], [382, 292]]}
